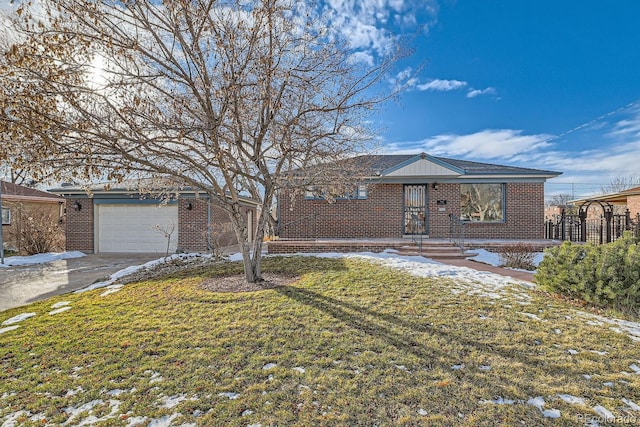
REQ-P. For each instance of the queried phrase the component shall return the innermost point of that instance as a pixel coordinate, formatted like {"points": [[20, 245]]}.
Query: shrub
{"points": [[606, 275], [519, 255], [38, 231]]}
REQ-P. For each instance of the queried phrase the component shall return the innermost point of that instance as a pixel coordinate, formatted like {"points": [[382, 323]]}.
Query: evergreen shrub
{"points": [[605, 275]]}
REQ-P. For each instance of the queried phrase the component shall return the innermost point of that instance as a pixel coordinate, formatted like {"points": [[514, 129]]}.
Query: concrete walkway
{"points": [[460, 262]]}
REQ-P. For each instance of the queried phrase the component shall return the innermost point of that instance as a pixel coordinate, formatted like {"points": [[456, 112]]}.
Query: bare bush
{"points": [[38, 230], [220, 237], [518, 255]]}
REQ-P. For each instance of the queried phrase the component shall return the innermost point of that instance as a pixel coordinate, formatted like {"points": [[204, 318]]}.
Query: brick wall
{"points": [[524, 213], [381, 215], [633, 204], [79, 225], [192, 226]]}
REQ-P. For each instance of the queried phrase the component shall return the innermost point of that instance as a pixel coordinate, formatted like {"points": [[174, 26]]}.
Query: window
{"points": [[482, 202], [6, 216], [359, 192]]}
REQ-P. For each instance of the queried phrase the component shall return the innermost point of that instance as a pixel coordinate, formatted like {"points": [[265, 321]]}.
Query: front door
{"points": [[415, 209]]}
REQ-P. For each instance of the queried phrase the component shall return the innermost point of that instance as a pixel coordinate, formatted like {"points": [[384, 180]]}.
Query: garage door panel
{"points": [[134, 228]]}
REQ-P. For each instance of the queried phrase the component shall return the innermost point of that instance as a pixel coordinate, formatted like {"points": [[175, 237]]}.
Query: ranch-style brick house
{"points": [[121, 220], [423, 195]]}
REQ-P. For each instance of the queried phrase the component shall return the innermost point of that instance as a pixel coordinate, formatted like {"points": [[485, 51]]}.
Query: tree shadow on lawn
{"points": [[385, 326]]}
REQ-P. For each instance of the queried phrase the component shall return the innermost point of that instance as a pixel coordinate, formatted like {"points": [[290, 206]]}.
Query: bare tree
{"points": [[225, 96], [621, 183]]}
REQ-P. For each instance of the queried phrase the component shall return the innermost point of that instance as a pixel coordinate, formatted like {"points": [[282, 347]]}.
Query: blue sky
{"points": [[549, 84], [544, 84]]}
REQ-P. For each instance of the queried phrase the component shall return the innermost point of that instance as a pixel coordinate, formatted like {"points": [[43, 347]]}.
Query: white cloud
{"points": [[477, 92], [366, 23], [486, 144], [442, 85]]}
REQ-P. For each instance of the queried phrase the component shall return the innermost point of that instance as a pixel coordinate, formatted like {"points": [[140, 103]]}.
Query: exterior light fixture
{"points": [[189, 206], [435, 185], [77, 206]]}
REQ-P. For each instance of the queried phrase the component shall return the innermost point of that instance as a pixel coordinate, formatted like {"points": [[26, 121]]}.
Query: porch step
{"points": [[436, 250]]}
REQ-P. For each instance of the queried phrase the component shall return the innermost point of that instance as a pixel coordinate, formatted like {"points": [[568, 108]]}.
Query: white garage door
{"points": [[136, 228]]}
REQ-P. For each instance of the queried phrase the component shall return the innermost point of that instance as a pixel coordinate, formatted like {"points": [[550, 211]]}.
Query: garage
{"points": [[136, 228]]}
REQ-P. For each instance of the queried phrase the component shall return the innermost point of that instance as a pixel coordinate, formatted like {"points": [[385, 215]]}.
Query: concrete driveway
{"points": [[25, 284]]}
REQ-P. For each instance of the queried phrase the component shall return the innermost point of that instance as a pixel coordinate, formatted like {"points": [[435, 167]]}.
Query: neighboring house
{"points": [[121, 220], [622, 200], [19, 202], [421, 194]]}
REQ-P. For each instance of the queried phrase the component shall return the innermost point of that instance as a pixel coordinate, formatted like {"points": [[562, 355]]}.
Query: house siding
{"points": [[192, 226], [79, 225], [378, 216], [381, 214], [633, 204]]}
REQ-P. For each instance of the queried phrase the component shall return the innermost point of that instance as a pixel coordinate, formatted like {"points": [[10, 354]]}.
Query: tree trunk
{"points": [[251, 251]]}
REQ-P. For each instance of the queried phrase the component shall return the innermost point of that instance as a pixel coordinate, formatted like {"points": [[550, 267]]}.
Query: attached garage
{"points": [[136, 228], [122, 220]]}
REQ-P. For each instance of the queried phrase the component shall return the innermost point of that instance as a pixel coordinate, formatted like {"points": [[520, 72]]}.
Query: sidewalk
{"points": [[519, 275]]}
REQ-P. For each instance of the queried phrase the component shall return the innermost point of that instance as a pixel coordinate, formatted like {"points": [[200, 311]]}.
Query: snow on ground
{"points": [[40, 258], [463, 279], [135, 268], [486, 257]]}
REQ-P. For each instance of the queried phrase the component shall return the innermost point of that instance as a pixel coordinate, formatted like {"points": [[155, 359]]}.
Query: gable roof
{"points": [[17, 192], [389, 165]]}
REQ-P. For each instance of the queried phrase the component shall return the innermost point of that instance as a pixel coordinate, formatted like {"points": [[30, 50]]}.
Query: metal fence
{"points": [[578, 228]]}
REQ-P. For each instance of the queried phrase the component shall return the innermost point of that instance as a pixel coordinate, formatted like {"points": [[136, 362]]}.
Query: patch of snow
{"points": [[40, 258], [11, 420], [484, 367], [631, 404], [573, 400], [247, 412], [74, 391], [492, 258], [401, 367], [608, 384], [73, 412], [111, 289], [300, 369], [599, 353], [60, 304], [632, 329], [586, 376], [58, 311], [531, 316], [603, 412], [457, 367], [8, 328], [269, 366], [422, 412], [163, 421], [572, 352], [229, 395], [19, 318], [499, 401], [539, 403], [135, 268], [134, 421], [255, 425], [635, 368], [172, 401]]}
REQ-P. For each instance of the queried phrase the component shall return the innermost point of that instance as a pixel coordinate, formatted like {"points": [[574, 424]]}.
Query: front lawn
{"points": [[351, 343]]}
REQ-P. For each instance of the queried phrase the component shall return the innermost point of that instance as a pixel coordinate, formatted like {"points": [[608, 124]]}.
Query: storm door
{"points": [[415, 209]]}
